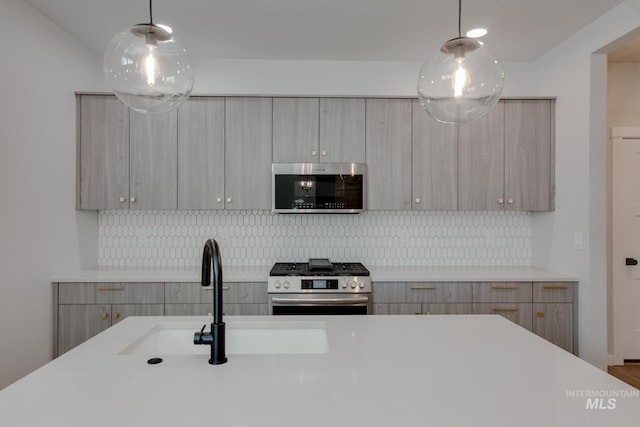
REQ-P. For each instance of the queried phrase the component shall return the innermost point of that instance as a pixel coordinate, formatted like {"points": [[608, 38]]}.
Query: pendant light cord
{"points": [[151, 12], [459, 18]]}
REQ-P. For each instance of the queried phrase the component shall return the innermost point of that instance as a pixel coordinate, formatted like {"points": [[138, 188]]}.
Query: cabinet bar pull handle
{"points": [[504, 287], [210, 288], [555, 287], [422, 287], [110, 288], [504, 309]]}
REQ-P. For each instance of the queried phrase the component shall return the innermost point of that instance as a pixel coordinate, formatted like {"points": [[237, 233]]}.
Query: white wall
{"points": [[40, 231], [578, 78], [623, 106]]}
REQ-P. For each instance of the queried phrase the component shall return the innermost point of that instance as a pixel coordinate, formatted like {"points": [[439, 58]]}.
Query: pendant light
{"points": [[460, 82], [148, 69]]}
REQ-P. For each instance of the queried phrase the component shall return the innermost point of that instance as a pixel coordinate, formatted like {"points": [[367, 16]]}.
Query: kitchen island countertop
{"points": [[378, 371]]}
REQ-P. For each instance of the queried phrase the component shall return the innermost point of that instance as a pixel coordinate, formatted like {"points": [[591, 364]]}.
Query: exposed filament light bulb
{"points": [[149, 66], [461, 79]]}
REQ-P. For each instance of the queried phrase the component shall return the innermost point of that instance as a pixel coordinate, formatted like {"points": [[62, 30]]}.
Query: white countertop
{"points": [[261, 274], [378, 371]]}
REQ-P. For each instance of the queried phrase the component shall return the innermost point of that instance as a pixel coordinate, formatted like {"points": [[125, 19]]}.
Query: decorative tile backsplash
{"points": [[260, 238]]}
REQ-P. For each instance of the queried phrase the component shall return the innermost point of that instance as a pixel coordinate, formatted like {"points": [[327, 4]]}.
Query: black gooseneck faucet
{"points": [[215, 338]]}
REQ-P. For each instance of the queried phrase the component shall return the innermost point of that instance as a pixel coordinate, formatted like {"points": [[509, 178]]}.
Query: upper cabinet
{"points": [[388, 154], [318, 130], [342, 130], [506, 159], [248, 153], [434, 163], [216, 153], [529, 154], [296, 127], [201, 155], [102, 153], [153, 146], [125, 159], [481, 162]]}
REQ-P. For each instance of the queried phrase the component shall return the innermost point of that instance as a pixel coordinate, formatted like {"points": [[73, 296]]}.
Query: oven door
{"points": [[320, 304]]}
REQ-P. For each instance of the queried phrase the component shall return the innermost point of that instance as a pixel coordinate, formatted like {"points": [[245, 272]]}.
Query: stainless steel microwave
{"points": [[318, 187]]}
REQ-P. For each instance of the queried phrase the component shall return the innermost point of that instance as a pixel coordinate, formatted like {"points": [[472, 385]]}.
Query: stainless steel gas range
{"points": [[320, 287]]}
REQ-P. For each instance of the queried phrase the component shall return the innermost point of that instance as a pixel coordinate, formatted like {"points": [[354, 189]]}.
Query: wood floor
{"points": [[629, 373]]}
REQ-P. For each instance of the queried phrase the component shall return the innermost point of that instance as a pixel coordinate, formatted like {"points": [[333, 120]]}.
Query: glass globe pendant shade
{"points": [[148, 69], [460, 82]]}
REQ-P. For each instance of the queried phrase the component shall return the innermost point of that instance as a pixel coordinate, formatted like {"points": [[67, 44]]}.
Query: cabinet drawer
{"points": [[502, 292], [234, 292], [444, 308], [397, 308], [228, 309], [518, 313], [553, 291], [111, 293], [406, 292]]}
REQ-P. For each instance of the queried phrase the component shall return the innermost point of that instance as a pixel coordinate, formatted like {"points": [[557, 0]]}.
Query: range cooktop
{"points": [[318, 267]]}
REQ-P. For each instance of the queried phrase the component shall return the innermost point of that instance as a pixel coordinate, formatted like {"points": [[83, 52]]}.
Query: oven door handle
{"points": [[312, 301]]}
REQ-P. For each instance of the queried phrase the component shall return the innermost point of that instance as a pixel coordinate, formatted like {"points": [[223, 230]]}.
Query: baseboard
{"points": [[612, 360]]}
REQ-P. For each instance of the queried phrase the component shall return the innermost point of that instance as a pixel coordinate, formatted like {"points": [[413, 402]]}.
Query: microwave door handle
{"points": [[312, 301]]}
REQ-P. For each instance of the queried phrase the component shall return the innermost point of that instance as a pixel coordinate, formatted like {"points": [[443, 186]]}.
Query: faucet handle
{"points": [[198, 337]]}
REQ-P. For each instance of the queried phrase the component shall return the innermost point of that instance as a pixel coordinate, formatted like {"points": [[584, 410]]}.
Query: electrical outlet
{"points": [[577, 240]]}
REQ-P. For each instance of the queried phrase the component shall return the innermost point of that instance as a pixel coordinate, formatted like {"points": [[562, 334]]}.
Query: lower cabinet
{"points": [[422, 298], [510, 300], [193, 299], [548, 309], [86, 309]]}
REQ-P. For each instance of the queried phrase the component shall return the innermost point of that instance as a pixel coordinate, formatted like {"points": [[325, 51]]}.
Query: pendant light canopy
{"points": [[460, 82], [148, 69]]}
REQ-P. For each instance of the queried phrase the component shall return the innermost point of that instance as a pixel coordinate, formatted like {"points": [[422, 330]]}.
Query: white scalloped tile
{"points": [[260, 238]]}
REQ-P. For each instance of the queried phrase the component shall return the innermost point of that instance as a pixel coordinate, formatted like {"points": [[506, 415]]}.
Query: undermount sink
{"points": [[176, 338]]}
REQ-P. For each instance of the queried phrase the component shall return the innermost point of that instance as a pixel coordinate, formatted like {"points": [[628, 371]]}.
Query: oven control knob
{"points": [[344, 284], [277, 284], [286, 284], [353, 284], [361, 285]]}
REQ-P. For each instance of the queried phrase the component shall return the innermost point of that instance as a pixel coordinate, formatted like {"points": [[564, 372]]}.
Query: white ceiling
{"points": [[384, 30]]}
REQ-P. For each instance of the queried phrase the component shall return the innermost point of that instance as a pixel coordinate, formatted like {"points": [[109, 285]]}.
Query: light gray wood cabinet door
{"points": [[554, 322], [481, 162], [296, 124], [153, 144], [388, 153], [529, 155], [434, 163], [201, 153], [342, 130], [102, 153], [78, 323], [248, 153]]}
